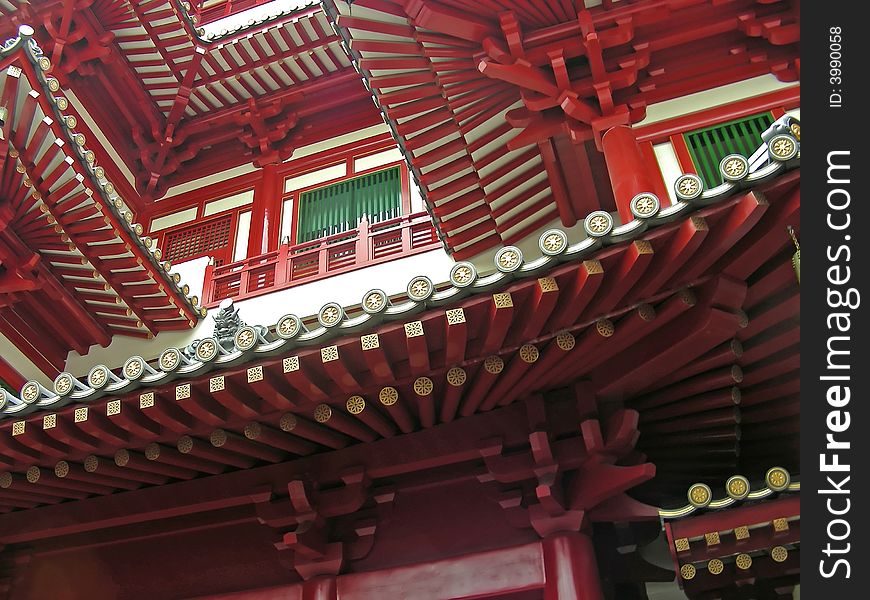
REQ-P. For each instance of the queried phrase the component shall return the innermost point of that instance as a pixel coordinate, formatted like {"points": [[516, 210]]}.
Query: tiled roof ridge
{"points": [[738, 489], [333, 321]]}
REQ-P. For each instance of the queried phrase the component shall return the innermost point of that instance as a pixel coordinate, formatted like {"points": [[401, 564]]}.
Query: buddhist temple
{"points": [[399, 299]]}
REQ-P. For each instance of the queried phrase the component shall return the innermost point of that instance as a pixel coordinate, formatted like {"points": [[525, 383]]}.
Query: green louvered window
{"points": [[709, 146], [338, 207]]}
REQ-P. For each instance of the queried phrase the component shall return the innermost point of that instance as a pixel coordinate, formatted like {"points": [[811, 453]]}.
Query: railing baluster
{"points": [[296, 264]]}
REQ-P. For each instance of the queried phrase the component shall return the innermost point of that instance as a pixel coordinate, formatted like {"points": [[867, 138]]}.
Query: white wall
{"points": [[304, 300], [11, 354], [732, 92]]}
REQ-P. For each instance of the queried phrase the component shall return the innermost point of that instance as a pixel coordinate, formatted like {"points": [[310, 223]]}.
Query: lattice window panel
{"points": [[338, 207], [710, 145], [211, 238]]}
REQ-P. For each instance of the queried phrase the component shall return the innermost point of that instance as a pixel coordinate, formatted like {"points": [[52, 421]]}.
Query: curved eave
{"points": [[74, 201]]}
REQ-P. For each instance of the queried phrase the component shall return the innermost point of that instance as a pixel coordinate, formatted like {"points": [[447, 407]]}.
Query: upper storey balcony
{"points": [[343, 209]]}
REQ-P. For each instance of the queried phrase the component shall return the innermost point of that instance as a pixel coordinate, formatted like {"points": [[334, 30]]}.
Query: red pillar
{"points": [[266, 213], [570, 568], [627, 168], [320, 589]]}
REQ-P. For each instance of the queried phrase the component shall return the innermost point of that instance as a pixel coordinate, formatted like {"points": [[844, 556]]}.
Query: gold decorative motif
{"points": [[61, 469], [681, 544], [122, 456], [33, 474], [456, 376], [5, 480], [605, 327], [291, 364], [715, 566], [423, 386], [374, 301], [152, 451], [30, 392], [553, 242], [780, 524], [44, 63], [18, 427], [644, 205], [742, 532], [146, 400], [185, 444], [455, 316], [413, 329], [493, 364], [737, 486], [182, 392], [462, 275], [245, 338], [700, 495], [779, 553], [688, 186], [712, 539], [330, 315], [795, 129], [288, 422], [355, 405], [288, 326], [419, 288], [253, 431], [170, 359], [329, 354], [255, 374], [91, 463], [322, 413], [53, 84], [218, 384], [646, 312], [218, 438], [508, 259], [548, 284], [529, 353], [782, 147], [734, 167], [565, 341], [503, 300], [777, 479], [113, 408], [599, 224], [206, 350], [370, 341], [80, 415], [743, 561], [688, 572], [388, 396], [593, 267], [49, 421], [63, 384]]}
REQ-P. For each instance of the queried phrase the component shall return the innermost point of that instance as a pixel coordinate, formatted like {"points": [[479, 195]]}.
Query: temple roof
{"points": [[500, 112], [686, 315], [69, 244], [335, 321], [200, 102]]}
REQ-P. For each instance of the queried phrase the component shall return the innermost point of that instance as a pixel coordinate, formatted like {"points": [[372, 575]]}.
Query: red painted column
{"points": [[266, 213], [570, 568], [320, 589], [628, 170]]}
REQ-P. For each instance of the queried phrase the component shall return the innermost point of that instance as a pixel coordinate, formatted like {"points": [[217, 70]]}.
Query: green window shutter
{"points": [[338, 207], [710, 145]]}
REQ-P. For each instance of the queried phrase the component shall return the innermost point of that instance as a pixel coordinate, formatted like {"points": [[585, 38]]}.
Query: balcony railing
{"points": [[293, 265]]}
